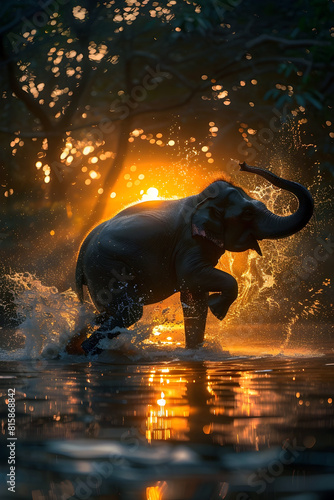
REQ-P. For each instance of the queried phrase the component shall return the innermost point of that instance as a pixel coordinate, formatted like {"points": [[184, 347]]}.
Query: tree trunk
{"points": [[111, 176]]}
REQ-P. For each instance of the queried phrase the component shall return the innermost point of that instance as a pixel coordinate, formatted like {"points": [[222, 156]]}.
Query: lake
{"points": [[248, 416], [241, 427]]}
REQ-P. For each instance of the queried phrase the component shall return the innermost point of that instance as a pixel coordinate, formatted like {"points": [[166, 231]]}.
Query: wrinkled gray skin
{"points": [[154, 249]]}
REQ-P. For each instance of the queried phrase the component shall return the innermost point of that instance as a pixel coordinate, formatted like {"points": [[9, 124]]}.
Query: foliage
{"points": [[86, 76]]}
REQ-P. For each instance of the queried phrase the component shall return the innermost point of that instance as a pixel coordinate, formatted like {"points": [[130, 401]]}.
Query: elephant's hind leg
{"points": [[124, 312]]}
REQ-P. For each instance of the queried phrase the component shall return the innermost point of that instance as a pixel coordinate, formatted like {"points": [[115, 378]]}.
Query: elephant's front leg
{"points": [[205, 279], [195, 309], [219, 302]]}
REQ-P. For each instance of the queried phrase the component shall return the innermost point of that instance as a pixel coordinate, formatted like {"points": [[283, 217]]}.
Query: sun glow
{"points": [[151, 194], [155, 492], [167, 415]]}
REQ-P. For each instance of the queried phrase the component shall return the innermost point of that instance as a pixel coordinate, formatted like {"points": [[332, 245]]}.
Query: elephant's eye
{"points": [[215, 212], [248, 214]]}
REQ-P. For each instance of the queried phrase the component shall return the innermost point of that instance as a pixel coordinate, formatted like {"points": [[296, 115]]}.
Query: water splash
{"points": [[266, 290], [49, 318], [164, 342]]}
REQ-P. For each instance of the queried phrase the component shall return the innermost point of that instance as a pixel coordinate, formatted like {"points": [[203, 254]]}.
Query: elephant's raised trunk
{"points": [[271, 226]]}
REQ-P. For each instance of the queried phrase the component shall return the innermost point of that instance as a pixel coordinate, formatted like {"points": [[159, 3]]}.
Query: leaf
{"points": [[271, 93], [300, 100], [281, 68], [317, 104], [282, 100], [294, 33]]}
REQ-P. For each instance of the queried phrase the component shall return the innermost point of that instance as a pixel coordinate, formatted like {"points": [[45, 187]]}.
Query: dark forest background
{"points": [[101, 100]]}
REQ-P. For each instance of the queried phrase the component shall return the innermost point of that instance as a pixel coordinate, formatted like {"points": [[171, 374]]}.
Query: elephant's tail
{"points": [[79, 275]]}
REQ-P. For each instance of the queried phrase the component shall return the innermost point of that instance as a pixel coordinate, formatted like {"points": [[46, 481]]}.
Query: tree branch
{"points": [[83, 34], [269, 61], [284, 41], [29, 101], [187, 83], [168, 107], [20, 16]]}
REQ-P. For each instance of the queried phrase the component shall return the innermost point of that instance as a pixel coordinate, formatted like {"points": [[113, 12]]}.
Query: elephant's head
{"points": [[234, 221]]}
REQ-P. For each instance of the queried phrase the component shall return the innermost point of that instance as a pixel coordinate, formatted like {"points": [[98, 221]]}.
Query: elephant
{"points": [[153, 249]]}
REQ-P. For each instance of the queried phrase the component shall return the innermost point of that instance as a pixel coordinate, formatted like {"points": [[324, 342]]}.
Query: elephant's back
{"points": [[142, 239], [142, 223], [136, 233]]}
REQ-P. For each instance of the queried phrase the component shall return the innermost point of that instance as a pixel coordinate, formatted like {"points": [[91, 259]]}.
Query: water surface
{"points": [[248, 416], [237, 428]]}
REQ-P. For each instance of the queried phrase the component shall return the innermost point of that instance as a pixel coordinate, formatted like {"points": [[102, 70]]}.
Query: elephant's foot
{"points": [[195, 309], [90, 345], [194, 331], [219, 304], [127, 311], [74, 344]]}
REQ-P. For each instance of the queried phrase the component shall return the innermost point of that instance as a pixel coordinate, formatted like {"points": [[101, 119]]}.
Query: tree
{"points": [[83, 74]]}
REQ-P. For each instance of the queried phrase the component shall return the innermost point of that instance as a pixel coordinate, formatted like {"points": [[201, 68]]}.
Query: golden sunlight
{"points": [[87, 150], [155, 492], [162, 401], [151, 194], [167, 416]]}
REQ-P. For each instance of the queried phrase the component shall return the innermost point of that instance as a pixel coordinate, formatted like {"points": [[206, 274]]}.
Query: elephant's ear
{"points": [[208, 223]]}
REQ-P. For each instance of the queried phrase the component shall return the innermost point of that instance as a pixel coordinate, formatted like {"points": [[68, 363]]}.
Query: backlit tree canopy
{"points": [[83, 82]]}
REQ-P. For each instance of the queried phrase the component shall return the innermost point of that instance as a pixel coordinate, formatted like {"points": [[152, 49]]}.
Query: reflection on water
{"points": [[171, 430], [167, 416]]}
